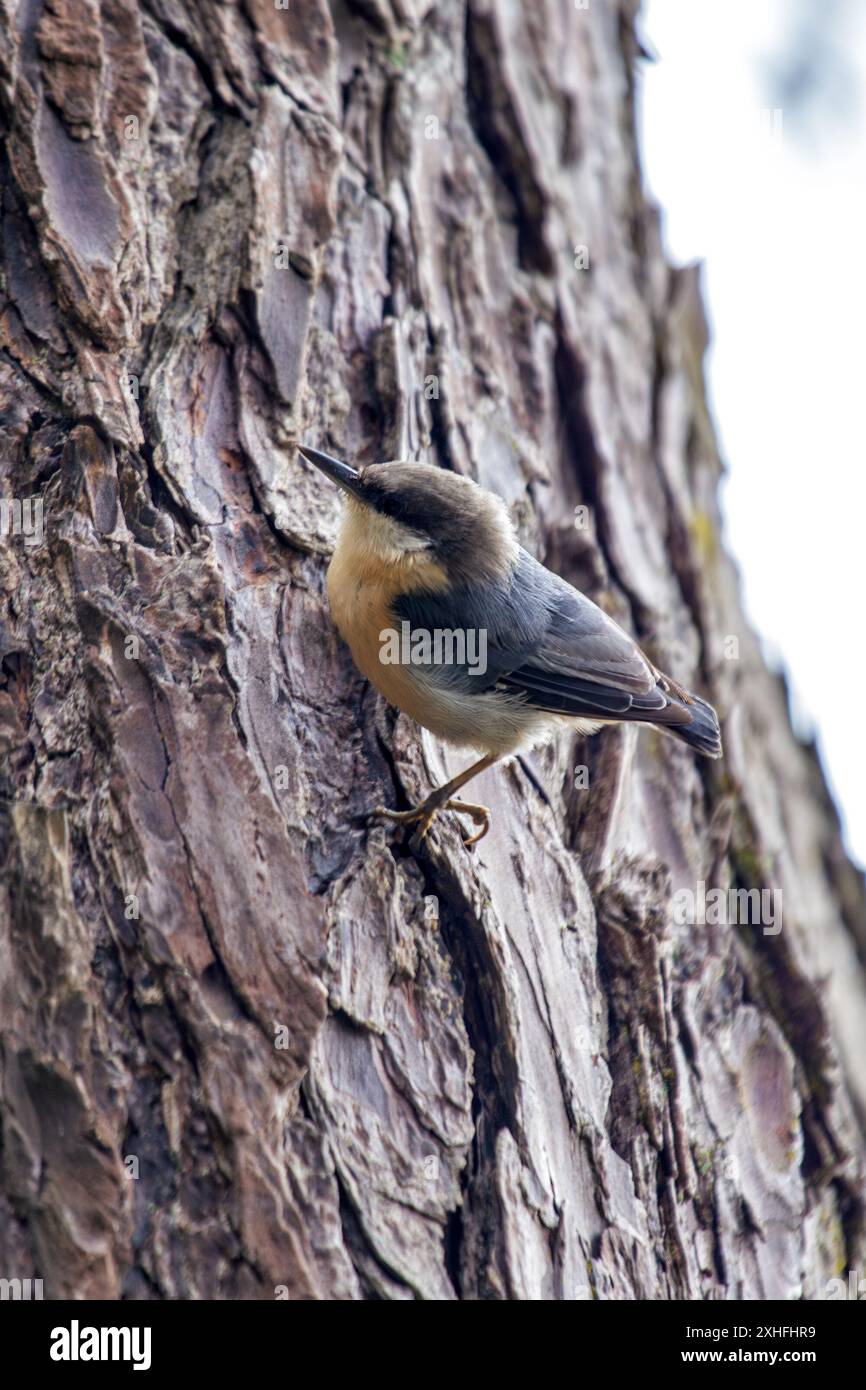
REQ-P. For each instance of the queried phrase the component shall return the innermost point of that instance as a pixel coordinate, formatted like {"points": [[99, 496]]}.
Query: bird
{"points": [[425, 552]]}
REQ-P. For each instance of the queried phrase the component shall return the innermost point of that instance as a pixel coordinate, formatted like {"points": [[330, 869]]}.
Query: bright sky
{"points": [[779, 219]]}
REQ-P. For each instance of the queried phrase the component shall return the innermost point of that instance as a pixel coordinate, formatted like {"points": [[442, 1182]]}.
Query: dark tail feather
{"points": [[666, 705], [701, 732]]}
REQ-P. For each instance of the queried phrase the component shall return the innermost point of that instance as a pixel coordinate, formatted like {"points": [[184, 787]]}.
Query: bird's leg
{"points": [[441, 800]]}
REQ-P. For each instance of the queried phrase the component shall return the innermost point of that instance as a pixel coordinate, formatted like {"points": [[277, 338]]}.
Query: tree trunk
{"points": [[251, 1046]]}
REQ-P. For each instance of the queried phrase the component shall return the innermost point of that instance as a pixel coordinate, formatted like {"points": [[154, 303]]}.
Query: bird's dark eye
{"points": [[409, 511]]}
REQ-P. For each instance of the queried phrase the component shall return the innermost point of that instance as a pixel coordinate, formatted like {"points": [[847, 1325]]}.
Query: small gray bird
{"points": [[458, 626]]}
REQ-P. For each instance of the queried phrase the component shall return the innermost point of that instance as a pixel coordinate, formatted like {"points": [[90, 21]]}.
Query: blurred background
{"points": [[754, 143]]}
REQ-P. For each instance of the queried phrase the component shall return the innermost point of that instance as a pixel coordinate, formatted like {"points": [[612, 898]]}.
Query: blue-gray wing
{"points": [[583, 663], [556, 650], [544, 640]]}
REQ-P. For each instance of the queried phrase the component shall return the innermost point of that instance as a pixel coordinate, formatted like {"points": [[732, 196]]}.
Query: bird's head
{"points": [[419, 517]]}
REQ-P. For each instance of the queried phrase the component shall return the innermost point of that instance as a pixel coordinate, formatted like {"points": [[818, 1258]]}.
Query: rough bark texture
{"points": [[248, 1043]]}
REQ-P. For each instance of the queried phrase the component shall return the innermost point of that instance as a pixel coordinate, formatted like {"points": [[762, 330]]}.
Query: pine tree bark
{"points": [[252, 1047]]}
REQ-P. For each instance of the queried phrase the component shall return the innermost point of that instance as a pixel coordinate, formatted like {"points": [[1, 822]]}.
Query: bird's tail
{"points": [[695, 723]]}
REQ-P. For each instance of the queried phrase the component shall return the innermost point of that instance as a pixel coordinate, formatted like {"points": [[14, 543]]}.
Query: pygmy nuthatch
{"points": [[458, 626]]}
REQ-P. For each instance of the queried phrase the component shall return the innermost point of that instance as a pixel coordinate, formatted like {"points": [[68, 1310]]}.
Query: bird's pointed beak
{"points": [[342, 474]]}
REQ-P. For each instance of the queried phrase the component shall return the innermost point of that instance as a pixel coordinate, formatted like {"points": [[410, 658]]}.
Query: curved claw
{"points": [[479, 814]]}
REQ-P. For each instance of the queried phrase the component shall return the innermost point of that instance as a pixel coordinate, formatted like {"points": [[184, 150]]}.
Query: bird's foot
{"points": [[424, 814]]}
